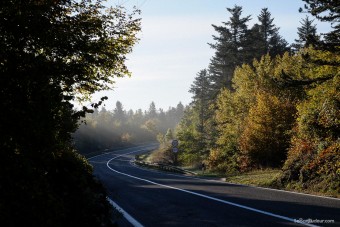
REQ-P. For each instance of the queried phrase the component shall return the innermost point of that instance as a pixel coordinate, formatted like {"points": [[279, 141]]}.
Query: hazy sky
{"points": [[173, 46]]}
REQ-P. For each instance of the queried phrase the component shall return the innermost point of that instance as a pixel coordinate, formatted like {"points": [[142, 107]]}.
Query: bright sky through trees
{"points": [[173, 45]]}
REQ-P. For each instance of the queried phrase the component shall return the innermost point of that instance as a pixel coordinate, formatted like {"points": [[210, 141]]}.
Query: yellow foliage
{"points": [[265, 140]]}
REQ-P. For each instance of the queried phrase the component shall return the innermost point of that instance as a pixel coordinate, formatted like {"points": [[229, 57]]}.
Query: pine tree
{"points": [[190, 145], [179, 111], [306, 31], [119, 113], [271, 42], [325, 11], [152, 112], [229, 46], [201, 101]]}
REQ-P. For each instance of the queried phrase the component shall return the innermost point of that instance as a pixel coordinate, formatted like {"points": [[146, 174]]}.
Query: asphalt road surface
{"points": [[153, 198]]}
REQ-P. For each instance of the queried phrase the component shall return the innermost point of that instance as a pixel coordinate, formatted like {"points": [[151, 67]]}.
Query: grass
{"points": [[262, 178]]}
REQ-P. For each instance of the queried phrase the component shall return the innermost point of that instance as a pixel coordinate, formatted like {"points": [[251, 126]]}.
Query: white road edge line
{"points": [[207, 197], [229, 183], [270, 189], [127, 216]]}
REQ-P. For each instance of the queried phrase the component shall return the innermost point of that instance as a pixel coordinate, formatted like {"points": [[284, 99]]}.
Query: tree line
{"points": [[107, 129], [264, 103]]}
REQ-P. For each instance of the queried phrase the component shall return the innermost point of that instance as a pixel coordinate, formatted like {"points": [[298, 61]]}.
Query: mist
{"points": [[107, 129]]}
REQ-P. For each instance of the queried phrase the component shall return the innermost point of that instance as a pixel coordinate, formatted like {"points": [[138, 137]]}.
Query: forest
{"points": [[107, 129], [263, 103]]}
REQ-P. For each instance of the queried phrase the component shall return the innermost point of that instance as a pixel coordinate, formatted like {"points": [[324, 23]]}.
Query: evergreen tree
{"points": [[314, 153], [306, 31], [179, 111], [229, 46], [119, 113], [152, 112], [186, 132], [271, 42], [267, 28], [326, 11], [201, 102]]}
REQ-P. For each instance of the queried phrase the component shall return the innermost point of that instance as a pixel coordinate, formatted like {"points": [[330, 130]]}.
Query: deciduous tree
{"points": [[51, 54]]}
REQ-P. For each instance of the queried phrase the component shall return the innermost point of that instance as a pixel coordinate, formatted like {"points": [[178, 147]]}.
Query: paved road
{"points": [[159, 199]]}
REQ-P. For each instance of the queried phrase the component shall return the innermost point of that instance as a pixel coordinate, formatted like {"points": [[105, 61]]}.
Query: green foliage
{"points": [[270, 41], [326, 11], [80, 50], [237, 45], [313, 159], [201, 103], [161, 139], [230, 46], [61, 192], [107, 129], [164, 155], [319, 116], [228, 119], [265, 139], [191, 148], [306, 31], [253, 121], [169, 135], [268, 106], [224, 94]]}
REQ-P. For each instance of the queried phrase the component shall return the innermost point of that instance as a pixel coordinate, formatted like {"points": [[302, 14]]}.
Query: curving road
{"points": [[154, 198]]}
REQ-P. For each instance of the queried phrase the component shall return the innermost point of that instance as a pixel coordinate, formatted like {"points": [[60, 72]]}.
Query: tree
{"points": [[80, 50], [326, 11], [313, 159], [272, 42], [265, 139], [235, 113], [314, 154], [267, 28], [201, 101], [179, 111], [119, 113], [307, 29], [186, 132], [152, 113], [169, 135], [229, 45], [223, 156]]}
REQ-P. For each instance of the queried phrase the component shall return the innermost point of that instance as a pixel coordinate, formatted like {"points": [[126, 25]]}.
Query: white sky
{"points": [[173, 46]]}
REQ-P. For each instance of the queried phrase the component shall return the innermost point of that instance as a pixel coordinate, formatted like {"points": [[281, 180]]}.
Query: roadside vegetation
{"points": [[53, 53], [264, 104], [107, 129], [266, 112], [162, 160]]}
